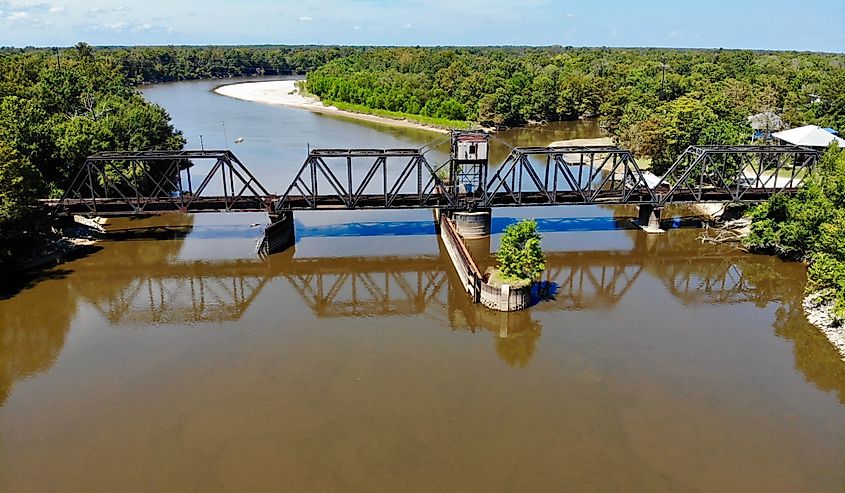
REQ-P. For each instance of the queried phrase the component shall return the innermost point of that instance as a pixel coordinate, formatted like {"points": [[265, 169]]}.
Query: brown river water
{"points": [[171, 358]]}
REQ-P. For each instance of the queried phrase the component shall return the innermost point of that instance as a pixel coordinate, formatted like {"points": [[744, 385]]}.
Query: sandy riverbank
{"points": [[285, 93]]}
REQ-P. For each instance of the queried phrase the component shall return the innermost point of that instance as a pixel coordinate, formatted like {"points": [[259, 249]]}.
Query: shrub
{"points": [[521, 260]]}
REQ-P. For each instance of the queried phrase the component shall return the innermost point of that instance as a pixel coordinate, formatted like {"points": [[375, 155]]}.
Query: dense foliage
{"points": [[170, 63], [54, 113], [810, 226], [655, 101], [520, 258]]}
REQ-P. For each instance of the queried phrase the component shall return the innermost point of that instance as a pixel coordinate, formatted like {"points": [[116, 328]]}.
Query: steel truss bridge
{"points": [[152, 182]]}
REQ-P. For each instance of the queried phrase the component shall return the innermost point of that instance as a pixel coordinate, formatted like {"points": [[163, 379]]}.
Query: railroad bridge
{"points": [[466, 185]]}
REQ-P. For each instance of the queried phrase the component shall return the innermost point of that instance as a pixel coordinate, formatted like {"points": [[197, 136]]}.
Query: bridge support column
{"points": [[649, 218], [475, 224], [279, 235]]}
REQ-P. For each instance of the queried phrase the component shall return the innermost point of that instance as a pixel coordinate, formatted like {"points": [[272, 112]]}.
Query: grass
{"points": [[398, 115], [496, 279], [303, 90]]}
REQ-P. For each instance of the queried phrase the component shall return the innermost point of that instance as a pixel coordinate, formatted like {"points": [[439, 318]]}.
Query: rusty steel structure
{"points": [[735, 173], [567, 175], [125, 183], [366, 179], [153, 182], [538, 176]]}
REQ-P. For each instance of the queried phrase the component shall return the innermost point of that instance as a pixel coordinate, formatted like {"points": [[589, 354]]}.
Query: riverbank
{"points": [[818, 306], [819, 311], [286, 93]]}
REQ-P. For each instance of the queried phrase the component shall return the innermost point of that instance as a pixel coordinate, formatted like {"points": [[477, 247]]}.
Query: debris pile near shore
{"points": [[818, 307]]}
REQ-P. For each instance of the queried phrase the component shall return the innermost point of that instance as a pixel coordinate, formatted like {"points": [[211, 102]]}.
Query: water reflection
{"points": [[144, 284], [31, 340]]}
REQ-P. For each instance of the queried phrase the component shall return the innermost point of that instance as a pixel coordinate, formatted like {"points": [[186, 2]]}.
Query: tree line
{"points": [[54, 112], [654, 101], [154, 64]]}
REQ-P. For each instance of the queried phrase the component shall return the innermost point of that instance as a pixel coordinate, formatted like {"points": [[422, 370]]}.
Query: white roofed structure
{"points": [[808, 136]]}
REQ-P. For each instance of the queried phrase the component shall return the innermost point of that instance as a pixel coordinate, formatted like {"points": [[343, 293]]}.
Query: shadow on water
{"points": [[12, 284], [143, 284]]}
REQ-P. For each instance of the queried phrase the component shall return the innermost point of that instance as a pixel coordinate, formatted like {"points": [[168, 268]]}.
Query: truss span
{"points": [[160, 181]]}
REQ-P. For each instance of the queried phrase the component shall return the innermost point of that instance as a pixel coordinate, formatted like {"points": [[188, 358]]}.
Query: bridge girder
{"points": [[567, 175]]}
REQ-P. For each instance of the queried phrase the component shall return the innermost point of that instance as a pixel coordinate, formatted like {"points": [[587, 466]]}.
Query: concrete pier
{"points": [[474, 224], [500, 298], [279, 235], [649, 218]]}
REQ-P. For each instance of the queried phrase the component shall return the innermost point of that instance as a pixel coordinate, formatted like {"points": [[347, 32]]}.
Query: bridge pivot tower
{"points": [[469, 159]]}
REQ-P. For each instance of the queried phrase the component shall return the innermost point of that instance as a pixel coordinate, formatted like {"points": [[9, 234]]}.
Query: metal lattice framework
{"points": [[154, 181], [160, 181], [735, 173], [567, 175], [366, 179]]}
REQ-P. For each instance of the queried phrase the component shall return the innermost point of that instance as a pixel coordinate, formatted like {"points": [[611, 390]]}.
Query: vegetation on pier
{"points": [[809, 226], [520, 258]]}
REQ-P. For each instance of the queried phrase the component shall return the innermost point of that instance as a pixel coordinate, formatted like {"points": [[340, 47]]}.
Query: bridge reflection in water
{"points": [[338, 287], [142, 284], [193, 292]]}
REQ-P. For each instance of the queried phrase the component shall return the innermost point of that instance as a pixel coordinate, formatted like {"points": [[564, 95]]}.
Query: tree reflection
{"points": [[33, 326], [34, 322]]}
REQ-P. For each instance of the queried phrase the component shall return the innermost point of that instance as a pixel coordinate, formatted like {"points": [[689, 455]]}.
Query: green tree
{"points": [[520, 257], [22, 220]]}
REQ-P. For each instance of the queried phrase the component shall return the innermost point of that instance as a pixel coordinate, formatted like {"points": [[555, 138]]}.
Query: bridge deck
{"points": [[153, 205]]}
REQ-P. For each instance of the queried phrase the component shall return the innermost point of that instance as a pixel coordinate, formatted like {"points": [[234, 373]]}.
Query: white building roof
{"points": [[810, 136]]}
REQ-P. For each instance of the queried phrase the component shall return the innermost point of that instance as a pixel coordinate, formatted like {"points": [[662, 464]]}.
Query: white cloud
{"points": [[407, 26], [56, 9], [18, 16], [117, 26], [100, 10], [357, 28], [306, 18], [125, 26]]}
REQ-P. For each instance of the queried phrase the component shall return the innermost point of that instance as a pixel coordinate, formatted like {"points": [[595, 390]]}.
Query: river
{"points": [[173, 359]]}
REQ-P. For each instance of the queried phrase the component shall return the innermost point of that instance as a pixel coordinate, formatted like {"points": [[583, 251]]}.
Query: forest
{"points": [[53, 113], [655, 102]]}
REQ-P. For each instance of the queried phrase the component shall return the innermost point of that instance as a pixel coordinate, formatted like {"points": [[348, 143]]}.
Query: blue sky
{"points": [[817, 25]]}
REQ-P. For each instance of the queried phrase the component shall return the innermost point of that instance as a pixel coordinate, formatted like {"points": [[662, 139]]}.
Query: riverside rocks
{"points": [[819, 311]]}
